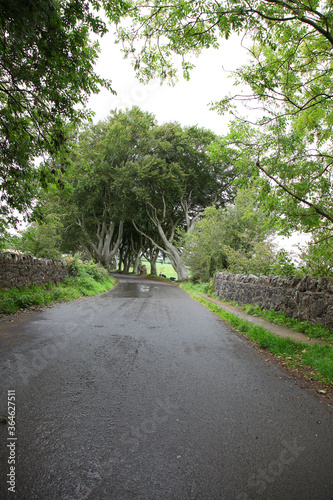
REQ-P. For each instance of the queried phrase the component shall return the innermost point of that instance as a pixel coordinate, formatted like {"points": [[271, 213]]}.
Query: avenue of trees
{"points": [[129, 187], [136, 187]]}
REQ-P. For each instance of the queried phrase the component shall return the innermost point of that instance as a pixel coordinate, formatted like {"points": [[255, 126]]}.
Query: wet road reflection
{"points": [[136, 290]]}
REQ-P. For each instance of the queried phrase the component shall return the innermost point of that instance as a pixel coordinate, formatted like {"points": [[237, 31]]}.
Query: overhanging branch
{"points": [[317, 209]]}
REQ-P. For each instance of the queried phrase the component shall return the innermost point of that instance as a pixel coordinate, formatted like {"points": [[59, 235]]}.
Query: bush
{"points": [[84, 279]]}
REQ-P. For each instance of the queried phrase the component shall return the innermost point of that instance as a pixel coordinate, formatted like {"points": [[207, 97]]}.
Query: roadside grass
{"points": [[156, 277], [190, 287], [315, 361], [279, 318], [85, 279], [313, 331]]}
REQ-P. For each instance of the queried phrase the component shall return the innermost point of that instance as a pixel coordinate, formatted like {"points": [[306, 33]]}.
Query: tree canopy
{"points": [[135, 184], [46, 75], [182, 27], [233, 238], [289, 82]]}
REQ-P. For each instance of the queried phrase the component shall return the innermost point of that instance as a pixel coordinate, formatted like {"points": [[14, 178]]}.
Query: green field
{"points": [[162, 268]]}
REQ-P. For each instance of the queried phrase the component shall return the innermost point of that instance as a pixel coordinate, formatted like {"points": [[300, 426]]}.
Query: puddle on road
{"points": [[133, 290]]}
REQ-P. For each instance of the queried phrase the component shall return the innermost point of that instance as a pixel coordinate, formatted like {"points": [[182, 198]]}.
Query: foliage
{"points": [[284, 265], [90, 279], [181, 27], [203, 251], [47, 73], [258, 261], [289, 82], [292, 177], [317, 257], [232, 239], [40, 239]]}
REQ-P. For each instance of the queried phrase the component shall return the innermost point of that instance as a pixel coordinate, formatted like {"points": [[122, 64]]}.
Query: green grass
{"points": [[313, 331], [85, 279], [315, 360], [162, 268], [156, 277], [197, 287], [279, 318]]}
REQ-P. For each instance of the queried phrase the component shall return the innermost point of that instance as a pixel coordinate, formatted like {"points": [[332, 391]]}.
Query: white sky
{"points": [[187, 102]]}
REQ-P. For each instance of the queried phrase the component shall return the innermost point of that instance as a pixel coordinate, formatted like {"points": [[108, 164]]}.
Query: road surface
{"points": [[142, 393]]}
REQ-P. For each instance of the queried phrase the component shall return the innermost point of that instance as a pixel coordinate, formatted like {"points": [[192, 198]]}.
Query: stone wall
{"points": [[24, 270], [307, 299]]}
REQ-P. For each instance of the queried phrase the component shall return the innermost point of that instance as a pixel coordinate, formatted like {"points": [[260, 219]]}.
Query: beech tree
{"points": [[129, 173], [97, 200], [176, 182]]}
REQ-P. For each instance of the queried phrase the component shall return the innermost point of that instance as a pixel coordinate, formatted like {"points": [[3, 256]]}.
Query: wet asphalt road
{"points": [[142, 393]]}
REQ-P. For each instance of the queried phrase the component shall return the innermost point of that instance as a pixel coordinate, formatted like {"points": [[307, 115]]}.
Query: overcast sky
{"points": [[187, 102]]}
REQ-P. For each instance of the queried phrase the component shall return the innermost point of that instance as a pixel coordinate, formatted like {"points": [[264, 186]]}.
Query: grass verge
{"points": [[190, 287], [84, 279], [315, 361], [312, 331]]}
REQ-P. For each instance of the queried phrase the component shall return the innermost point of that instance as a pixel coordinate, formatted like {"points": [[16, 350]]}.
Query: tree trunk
{"points": [[120, 260], [137, 262], [174, 255], [169, 249], [111, 249], [153, 260], [127, 262], [105, 249], [181, 270], [114, 263]]}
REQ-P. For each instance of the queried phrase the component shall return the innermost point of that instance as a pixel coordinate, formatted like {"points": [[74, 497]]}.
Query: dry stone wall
{"points": [[306, 299], [24, 270]]}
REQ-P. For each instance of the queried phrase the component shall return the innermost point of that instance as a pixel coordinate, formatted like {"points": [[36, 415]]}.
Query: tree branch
{"points": [[317, 209]]}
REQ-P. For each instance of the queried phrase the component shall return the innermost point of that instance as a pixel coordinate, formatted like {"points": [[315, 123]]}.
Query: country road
{"points": [[142, 393]]}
